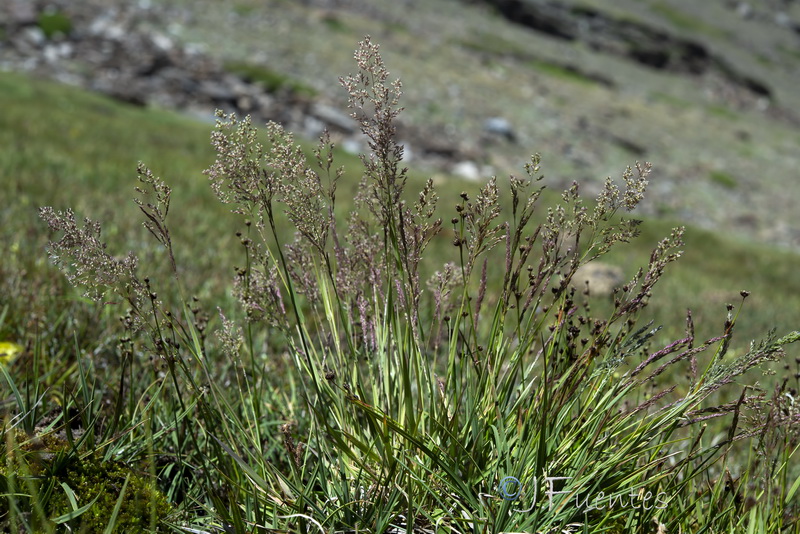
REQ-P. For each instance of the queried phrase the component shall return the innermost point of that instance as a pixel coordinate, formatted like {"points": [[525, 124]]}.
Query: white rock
{"points": [[468, 170], [602, 278], [163, 42], [34, 35]]}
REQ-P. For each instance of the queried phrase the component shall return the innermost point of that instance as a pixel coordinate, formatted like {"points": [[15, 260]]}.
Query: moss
{"points": [[44, 466], [55, 22], [143, 504]]}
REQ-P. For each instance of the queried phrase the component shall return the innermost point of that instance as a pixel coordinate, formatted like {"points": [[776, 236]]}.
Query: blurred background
{"points": [[706, 91]]}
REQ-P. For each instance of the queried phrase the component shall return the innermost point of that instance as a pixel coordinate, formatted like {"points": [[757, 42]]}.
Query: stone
{"points": [[603, 278], [500, 127], [467, 170], [312, 127], [19, 13], [216, 91], [34, 35], [744, 10], [334, 118], [408, 151]]}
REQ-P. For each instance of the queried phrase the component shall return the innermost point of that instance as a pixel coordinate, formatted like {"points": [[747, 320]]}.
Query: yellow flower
{"points": [[8, 352]]}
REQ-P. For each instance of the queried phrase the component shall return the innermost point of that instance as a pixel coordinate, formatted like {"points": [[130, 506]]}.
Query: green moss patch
{"points": [[79, 494], [53, 23]]}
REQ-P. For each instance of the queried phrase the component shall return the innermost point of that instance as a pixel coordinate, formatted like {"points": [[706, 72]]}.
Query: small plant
{"points": [[53, 23], [427, 369]]}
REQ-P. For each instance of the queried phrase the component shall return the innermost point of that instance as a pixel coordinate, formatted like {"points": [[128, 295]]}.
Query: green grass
{"points": [[494, 44], [724, 179], [349, 405], [335, 23], [271, 81], [243, 9], [672, 100], [498, 46], [69, 148], [53, 23], [683, 21], [724, 112], [561, 72]]}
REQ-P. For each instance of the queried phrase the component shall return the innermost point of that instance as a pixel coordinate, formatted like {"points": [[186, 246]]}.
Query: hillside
{"points": [[723, 138], [336, 355], [705, 91]]}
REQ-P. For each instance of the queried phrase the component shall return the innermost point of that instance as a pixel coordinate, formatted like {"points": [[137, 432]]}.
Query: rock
{"points": [[500, 127], [744, 10], [34, 35], [784, 20], [468, 170], [408, 151], [162, 42], [602, 278], [334, 118], [51, 53], [312, 127], [19, 13], [115, 50], [646, 44], [106, 28], [216, 91]]}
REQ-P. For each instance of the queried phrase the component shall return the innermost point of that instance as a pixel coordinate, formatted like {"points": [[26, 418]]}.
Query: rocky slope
{"points": [[704, 90]]}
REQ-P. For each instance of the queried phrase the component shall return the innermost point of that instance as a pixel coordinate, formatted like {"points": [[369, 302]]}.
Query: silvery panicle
{"points": [[83, 258]]}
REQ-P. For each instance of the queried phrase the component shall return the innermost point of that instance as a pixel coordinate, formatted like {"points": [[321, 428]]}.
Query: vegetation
{"points": [[392, 365], [685, 21], [54, 23], [271, 81], [723, 178], [113, 495]]}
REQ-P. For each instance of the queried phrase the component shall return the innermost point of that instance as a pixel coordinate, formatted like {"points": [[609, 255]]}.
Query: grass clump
{"points": [[363, 385]]}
